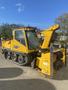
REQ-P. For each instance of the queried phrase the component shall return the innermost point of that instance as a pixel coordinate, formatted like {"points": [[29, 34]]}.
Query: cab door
{"points": [[19, 41]]}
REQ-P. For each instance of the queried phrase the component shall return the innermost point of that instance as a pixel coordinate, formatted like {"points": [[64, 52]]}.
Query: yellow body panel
{"points": [[44, 63], [47, 33], [47, 37], [18, 47], [14, 45], [6, 44]]}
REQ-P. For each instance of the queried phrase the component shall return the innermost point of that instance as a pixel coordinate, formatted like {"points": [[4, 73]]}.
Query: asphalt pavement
{"points": [[15, 77]]}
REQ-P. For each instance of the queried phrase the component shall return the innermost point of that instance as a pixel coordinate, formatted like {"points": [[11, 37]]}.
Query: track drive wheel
{"points": [[5, 54], [23, 60], [13, 56]]}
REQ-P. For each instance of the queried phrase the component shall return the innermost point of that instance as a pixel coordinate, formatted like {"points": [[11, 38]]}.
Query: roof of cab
{"points": [[26, 28]]}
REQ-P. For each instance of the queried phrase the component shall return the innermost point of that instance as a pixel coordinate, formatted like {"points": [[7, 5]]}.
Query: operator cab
{"points": [[28, 37]]}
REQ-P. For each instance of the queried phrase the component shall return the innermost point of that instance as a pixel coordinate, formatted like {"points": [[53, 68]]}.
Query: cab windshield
{"points": [[33, 40]]}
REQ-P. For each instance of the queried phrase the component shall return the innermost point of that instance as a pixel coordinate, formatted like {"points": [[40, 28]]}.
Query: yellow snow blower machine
{"points": [[26, 48]]}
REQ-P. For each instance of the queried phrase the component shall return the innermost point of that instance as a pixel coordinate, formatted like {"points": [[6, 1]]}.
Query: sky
{"points": [[40, 13]]}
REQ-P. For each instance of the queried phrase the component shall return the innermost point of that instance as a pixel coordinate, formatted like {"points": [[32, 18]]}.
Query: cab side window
{"points": [[19, 36]]}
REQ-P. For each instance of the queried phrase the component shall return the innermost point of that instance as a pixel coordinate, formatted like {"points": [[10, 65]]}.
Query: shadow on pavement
{"points": [[62, 74], [10, 72], [26, 84]]}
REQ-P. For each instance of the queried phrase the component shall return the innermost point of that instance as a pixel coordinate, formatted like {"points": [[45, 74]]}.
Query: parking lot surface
{"points": [[15, 77]]}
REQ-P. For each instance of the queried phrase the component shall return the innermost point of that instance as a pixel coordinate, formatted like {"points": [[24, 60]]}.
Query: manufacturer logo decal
{"points": [[16, 47]]}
